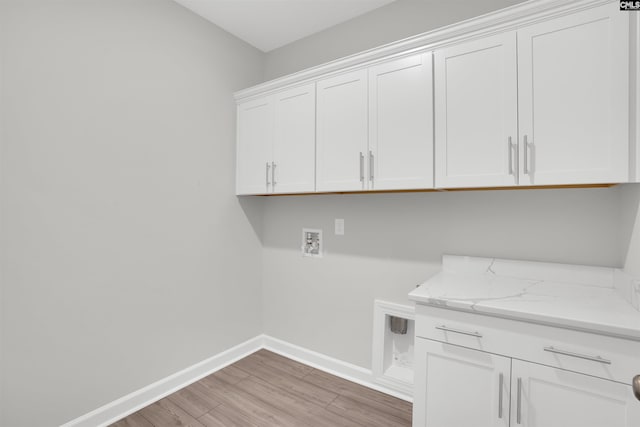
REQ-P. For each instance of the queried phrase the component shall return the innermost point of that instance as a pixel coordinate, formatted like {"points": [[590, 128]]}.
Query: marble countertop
{"points": [[576, 297]]}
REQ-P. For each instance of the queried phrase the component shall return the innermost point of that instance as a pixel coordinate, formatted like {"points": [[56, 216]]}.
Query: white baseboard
{"points": [[330, 365], [137, 400], [120, 408]]}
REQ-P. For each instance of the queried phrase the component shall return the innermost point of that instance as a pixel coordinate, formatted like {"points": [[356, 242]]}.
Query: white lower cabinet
{"points": [[475, 370], [461, 387], [543, 396]]}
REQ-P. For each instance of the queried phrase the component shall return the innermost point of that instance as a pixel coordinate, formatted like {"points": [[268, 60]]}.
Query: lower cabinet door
{"points": [[542, 396], [459, 387]]}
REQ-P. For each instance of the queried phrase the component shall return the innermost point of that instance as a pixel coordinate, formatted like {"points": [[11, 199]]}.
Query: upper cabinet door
{"points": [[293, 168], [476, 113], [574, 98], [401, 124], [254, 145], [342, 132]]}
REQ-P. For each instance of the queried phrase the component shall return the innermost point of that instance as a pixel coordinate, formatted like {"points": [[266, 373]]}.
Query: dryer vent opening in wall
{"points": [[398, 325]]}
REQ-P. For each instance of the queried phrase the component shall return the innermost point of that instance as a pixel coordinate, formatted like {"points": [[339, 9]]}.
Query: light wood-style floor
{"points": [[266, 389]]}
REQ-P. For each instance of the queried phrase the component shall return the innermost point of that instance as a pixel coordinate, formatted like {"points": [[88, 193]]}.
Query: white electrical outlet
{"points": [[339, 227], [311, 242]]}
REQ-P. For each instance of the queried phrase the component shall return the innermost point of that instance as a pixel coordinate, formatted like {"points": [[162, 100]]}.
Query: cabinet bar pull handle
{"points": [[580, 356], [635, 384], [526, 145], [361, 167], [273, 173], [370, 166], [519, 405], [458, 331], [267, 174], [510, 157], [501, 382]]}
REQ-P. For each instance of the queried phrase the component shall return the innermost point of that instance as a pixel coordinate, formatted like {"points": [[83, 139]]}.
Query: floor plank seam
{"points": [[330, 403], [148, 420]]}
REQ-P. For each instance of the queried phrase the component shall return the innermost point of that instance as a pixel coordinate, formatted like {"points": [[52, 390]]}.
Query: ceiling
{"points": [[270, 24]]}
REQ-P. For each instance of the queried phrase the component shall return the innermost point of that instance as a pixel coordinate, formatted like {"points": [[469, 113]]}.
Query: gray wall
{"points": [[395, 21], [630, 227], [393, 242], [124, 250]]}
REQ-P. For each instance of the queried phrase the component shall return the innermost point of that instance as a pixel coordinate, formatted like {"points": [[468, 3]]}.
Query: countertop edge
{"points": [[592, 328]]}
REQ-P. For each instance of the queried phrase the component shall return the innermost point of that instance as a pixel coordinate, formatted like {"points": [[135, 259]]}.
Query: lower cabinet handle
{"points": [[579, 356], [500, 385], [635, 385], [459, 331], [519, 403]]}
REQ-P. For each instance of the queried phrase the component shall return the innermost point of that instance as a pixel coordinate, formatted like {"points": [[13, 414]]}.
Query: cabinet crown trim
{"points": [[508, 18]]}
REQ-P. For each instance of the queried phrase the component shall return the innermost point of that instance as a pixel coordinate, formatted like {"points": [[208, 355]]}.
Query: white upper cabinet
{"points": [[254, 146], [342, 132], [375, 127], [562, 118], [573, 76], [401, 124], [276, 143], [476, 113], [539, 96], [294, 141]]}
